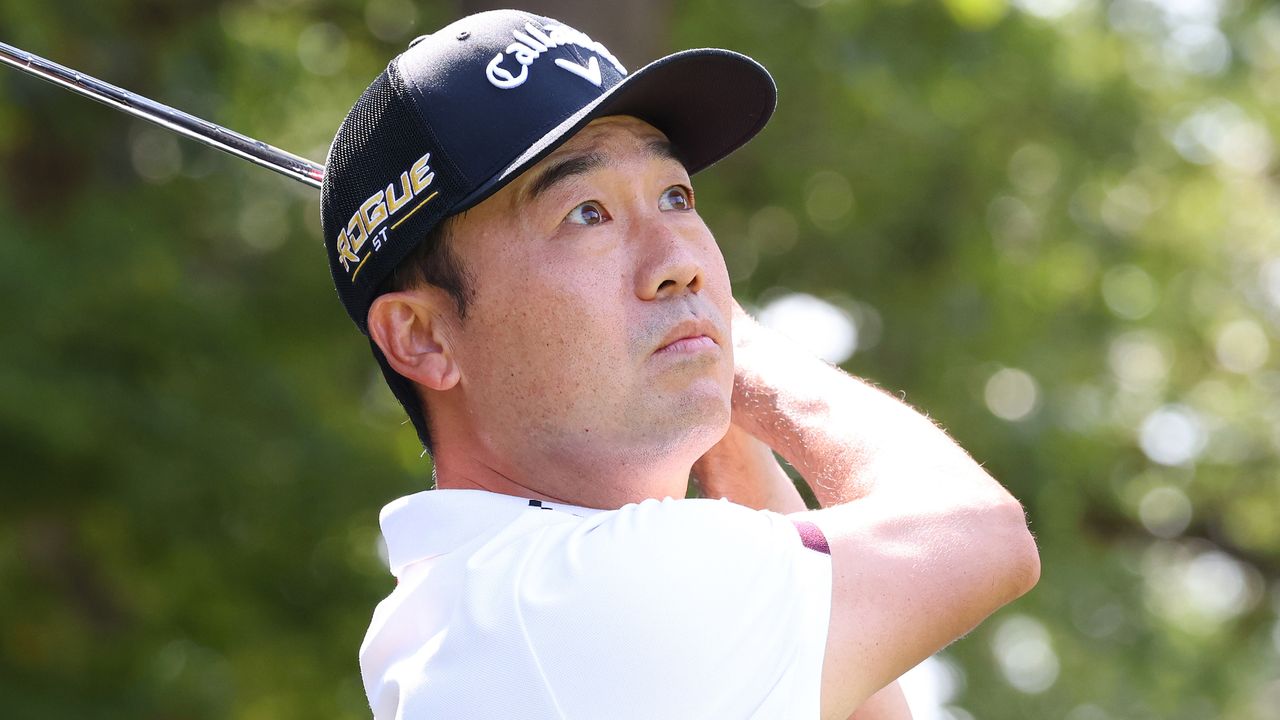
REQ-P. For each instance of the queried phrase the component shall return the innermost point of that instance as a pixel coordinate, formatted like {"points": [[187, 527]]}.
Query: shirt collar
{"points": [[434, 522]]}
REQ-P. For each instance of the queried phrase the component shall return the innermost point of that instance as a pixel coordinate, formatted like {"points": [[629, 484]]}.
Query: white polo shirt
{"points": [[511, 608]]}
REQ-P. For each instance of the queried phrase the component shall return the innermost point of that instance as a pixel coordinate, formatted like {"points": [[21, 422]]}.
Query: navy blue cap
{"points": [[468, 108]]}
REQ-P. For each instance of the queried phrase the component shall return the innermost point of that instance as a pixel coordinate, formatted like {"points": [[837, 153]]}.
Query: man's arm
{"points": [[924, 543], [888, 704]]}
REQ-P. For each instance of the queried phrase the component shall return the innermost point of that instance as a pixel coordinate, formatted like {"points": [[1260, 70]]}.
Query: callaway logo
{"points": [[378, 209], [529, 45]]}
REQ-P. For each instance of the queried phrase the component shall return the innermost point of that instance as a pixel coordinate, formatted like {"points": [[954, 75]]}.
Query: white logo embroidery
{"points": [[590, 73], [530, 45]]}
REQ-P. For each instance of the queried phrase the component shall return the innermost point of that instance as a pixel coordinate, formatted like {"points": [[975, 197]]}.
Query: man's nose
{"points": [[670, 264]]}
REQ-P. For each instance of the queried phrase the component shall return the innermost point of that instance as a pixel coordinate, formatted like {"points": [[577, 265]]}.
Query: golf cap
{"points": [[467, 109]]}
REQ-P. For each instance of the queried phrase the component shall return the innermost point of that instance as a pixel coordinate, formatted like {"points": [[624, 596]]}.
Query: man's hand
{"points": [[743, 469]]}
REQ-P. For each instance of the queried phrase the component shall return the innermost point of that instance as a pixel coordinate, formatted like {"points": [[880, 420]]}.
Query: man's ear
{"points": [[410, 329]]}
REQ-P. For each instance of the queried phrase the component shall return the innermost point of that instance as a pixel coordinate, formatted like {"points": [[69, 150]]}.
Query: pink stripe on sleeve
{"points": [[812, 536]]}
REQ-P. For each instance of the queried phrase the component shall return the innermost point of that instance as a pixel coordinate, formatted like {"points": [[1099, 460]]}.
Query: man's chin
{"points": [[695, 419]]}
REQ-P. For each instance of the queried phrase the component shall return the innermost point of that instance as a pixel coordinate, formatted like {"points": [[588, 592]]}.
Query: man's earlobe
{"points": [[414, 338]]}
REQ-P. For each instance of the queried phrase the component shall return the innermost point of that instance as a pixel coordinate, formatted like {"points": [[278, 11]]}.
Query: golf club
{"points": [[229, 141]]}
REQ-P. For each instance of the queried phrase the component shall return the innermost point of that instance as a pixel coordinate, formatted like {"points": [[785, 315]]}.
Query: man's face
{"points": [[584, 271]]}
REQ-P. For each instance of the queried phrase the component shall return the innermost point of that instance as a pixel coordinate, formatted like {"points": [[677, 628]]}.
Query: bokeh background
{"points": [[1052, 224]]}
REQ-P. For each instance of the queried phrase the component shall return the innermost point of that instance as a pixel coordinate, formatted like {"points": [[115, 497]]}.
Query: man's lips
{"points": [[689, 344], [690, 336]]}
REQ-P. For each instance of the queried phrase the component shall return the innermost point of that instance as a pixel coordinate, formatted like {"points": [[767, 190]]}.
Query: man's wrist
{"points": [[777, 385], [744, 470]]}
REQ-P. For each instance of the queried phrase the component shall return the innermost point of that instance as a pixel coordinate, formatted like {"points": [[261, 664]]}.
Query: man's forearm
{"points": [[844, 436]]}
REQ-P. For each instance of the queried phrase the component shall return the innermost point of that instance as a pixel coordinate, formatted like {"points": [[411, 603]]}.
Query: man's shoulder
{"points": [[551, 562], [597, 607], [640, 561], [654, 534], [586, 556], [437, 522]]}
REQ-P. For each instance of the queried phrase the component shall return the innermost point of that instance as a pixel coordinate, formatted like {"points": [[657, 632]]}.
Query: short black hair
{"points": [[433, 262]]}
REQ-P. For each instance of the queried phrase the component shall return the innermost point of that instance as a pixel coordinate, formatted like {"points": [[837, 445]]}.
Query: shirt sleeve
{"points": [[679, 608]]}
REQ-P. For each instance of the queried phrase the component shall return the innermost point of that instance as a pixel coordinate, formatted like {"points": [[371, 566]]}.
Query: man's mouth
{"points": [[690, 336], [693, 343]]}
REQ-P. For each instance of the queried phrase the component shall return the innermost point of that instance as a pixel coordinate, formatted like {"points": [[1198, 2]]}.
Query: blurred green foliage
{"points": [[1054, 223]]}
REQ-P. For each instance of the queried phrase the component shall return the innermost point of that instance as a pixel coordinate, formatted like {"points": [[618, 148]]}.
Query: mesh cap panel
{"points": [[376, 208]]}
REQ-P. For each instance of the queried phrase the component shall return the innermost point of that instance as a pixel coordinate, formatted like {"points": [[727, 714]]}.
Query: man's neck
{"points": [[576, 487]]}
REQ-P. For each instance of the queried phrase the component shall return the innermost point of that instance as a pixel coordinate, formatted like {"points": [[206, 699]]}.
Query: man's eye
{"points": [[676, 197], [588, 213]]}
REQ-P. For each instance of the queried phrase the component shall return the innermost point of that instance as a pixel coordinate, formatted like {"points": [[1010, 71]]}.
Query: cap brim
{"points": [[708, 102]]}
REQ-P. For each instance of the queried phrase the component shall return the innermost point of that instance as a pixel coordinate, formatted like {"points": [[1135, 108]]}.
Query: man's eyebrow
{"points": [[662, 150], [586, 162], [563, 170]]}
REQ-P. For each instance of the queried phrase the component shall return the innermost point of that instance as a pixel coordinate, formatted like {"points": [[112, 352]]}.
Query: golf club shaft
{"points": [[229, 141]]}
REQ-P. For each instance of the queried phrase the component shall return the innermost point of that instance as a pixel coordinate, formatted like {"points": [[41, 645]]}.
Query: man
{"points": [[509, 217]]}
